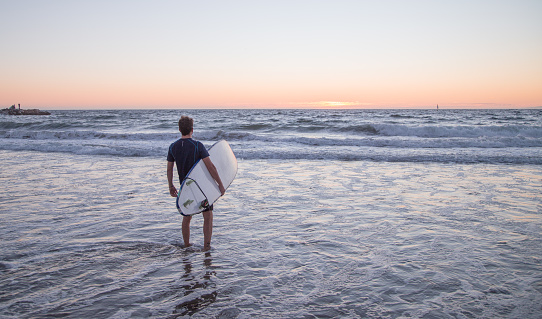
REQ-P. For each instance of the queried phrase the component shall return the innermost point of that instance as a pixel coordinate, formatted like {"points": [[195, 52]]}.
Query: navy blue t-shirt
{"points": [[185, 153]]}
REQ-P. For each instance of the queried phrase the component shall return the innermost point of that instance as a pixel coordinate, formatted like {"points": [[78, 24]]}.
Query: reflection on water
{"points": [[194, 287]]}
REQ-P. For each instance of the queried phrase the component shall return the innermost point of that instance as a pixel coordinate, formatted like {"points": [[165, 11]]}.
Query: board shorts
{"points": [[210, 208]]}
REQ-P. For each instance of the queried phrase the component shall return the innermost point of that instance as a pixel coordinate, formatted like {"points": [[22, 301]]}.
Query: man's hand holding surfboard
{"points": [[207, 181]]}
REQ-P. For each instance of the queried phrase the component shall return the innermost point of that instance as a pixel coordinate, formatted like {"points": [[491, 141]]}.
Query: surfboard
{"points": [[199, 190]]}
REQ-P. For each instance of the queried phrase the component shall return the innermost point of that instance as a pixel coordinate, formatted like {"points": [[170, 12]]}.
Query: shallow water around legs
{"points": [[100, 237]]}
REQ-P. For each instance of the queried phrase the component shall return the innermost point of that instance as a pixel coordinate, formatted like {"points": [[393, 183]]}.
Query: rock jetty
{"points": [[18, 111]]}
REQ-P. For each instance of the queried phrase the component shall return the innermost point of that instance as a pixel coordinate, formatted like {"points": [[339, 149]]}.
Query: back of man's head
{"points": [[186, 124]]}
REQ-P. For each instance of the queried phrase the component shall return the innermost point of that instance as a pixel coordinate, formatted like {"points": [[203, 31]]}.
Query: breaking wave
{"points": [[498, 137]]}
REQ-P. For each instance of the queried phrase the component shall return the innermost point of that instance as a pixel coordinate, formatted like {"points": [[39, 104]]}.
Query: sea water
{"points": [[333, 214]]}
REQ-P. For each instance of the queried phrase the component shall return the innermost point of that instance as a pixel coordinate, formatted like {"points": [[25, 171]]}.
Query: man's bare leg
{"points": [[186, 230], [207, 229]]}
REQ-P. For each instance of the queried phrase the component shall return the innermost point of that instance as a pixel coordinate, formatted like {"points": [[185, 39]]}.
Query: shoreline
{"points": [[448, 239]]}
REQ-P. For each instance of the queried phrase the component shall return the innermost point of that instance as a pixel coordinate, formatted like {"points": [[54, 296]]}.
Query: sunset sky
{"points": [[65, 54]]}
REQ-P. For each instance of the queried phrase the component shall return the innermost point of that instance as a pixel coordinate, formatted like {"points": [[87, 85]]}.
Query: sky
{"points": [[65, 54]]}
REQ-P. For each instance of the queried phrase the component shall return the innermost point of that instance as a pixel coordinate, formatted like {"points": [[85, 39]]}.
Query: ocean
{"points": [[444, 136], [333, 214]]}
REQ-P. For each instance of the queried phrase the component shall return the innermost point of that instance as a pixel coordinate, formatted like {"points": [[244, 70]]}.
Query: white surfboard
{"points": [[199, 190]]}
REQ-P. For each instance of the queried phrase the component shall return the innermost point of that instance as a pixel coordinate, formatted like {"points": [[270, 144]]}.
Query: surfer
{"points": [[184, 153]]}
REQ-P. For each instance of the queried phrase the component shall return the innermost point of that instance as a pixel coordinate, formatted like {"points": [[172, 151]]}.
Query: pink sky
{"points": [[294, 54]]}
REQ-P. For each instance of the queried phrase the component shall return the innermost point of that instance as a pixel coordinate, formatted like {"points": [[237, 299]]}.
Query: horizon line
{"points": [[145, 108]]}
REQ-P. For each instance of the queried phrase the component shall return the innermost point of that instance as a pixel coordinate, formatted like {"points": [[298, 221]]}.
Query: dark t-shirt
{"points": [[185, 153]]}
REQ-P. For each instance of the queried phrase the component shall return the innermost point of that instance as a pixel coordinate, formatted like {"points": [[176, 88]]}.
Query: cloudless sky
{"points": [[232, 54]]}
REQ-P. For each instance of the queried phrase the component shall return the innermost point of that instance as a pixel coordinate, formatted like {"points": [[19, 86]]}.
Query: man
{"points": [[184, 153]]}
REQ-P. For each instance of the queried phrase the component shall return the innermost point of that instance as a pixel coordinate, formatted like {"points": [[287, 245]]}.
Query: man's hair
{"points": [[186, 124]]}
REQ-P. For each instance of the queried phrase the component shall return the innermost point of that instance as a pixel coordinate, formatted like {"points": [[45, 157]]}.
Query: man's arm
{"points": [[214, 173], [172, 189]]}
